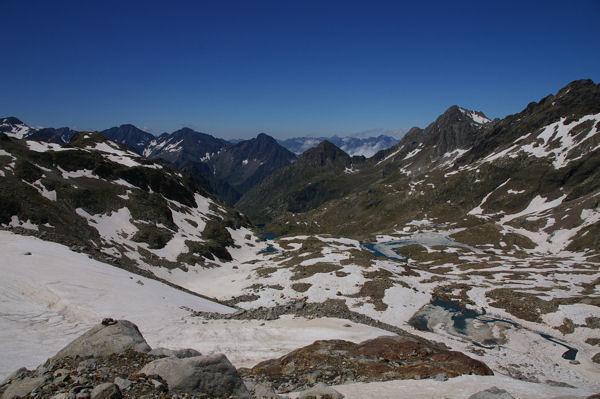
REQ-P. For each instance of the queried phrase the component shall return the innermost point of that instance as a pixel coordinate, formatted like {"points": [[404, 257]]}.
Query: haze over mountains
{"points": [[482, 235]]}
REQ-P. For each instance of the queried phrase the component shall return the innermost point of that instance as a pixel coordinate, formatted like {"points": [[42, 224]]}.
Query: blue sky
{"points": [[287, 68]]}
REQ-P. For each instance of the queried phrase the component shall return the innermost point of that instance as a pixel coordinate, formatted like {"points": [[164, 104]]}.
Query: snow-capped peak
{"points": [[13, 127], [477, 116]]}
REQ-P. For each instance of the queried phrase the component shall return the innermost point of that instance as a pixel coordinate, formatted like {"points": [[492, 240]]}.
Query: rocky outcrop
{"points": [[107, 338], [112, 360], [379, 359], [213, 375]]}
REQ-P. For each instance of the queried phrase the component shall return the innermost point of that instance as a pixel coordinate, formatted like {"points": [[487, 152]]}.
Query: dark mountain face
{"points": [[14, 127], [245, 164], [11, 120], [226, 169], [325, 154], [61, 135], [184, 147], [457, 128], [318, 175], [133, 138]]}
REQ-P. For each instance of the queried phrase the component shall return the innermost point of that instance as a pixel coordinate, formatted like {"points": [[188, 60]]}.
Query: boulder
{"points": [[123, 383], [106, 391], [211, 375], [23, 387], [13, 376], [106, 339], [178, 353], [492, 393], [320, 391], [264, 391]]}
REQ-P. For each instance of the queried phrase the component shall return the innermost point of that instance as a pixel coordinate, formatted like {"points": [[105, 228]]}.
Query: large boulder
{"points": [[23, 387], [211, 375], [105, 339], [106, 391], [179, 353]]}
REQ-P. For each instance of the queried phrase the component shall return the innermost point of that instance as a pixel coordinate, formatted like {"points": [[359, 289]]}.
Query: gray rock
{"points": [[264, 391], [212, 375], [320, 391], [123, 383], [271, 315], [106, 391], [64, 395], [159, 386], [178, 353], [20, 388], [14, 375], [104, 340], [492, 393]]}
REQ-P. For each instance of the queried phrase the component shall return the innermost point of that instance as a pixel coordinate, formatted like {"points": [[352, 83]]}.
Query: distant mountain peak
{"points": [[323, 154], [14, 127], [11, 120]]}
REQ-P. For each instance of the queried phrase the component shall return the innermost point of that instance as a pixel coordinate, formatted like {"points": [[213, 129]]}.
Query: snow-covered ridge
{"points": [[476, 116], [559, 141], [13, 127]]}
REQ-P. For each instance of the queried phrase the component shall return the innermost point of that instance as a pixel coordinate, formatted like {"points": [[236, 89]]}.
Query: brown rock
{"points": [[380, 359]]}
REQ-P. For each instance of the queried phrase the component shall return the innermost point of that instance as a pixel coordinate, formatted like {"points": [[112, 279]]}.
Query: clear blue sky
{"points": [[287, 68]]}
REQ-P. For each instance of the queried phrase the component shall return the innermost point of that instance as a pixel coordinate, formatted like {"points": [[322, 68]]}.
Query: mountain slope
{"points": [[228, 170], [14, 127], [529, 180], [130, 136], [247, 163], [318, 175], [112, 203]]}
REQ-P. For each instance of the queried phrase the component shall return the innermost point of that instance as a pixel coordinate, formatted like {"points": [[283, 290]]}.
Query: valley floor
{"points": [[50, 295]]}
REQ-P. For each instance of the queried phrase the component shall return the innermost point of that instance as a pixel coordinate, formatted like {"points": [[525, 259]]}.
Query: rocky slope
{"points": [[114, 204], [542, 159], [227, 169], [319, 174], [113, 360]]}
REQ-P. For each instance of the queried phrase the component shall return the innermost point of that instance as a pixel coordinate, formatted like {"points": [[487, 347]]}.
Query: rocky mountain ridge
{"points": [[224, 168], [481, 235], [121, 207]]}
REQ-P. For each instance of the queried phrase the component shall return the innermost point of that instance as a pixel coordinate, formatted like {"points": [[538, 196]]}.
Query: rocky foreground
{"points": [[113, 360]]}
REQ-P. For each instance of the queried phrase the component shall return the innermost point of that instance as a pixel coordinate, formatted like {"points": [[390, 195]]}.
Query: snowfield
{"points": [[50, 295]]}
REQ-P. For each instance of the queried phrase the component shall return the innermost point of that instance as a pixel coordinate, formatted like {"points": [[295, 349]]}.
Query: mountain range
{"points": [[482, 235], [353, 146]]}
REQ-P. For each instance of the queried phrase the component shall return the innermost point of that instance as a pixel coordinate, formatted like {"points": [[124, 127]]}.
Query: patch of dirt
{"points": [[523, 305], [302, 272], [375, 291], [301, 287]]}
